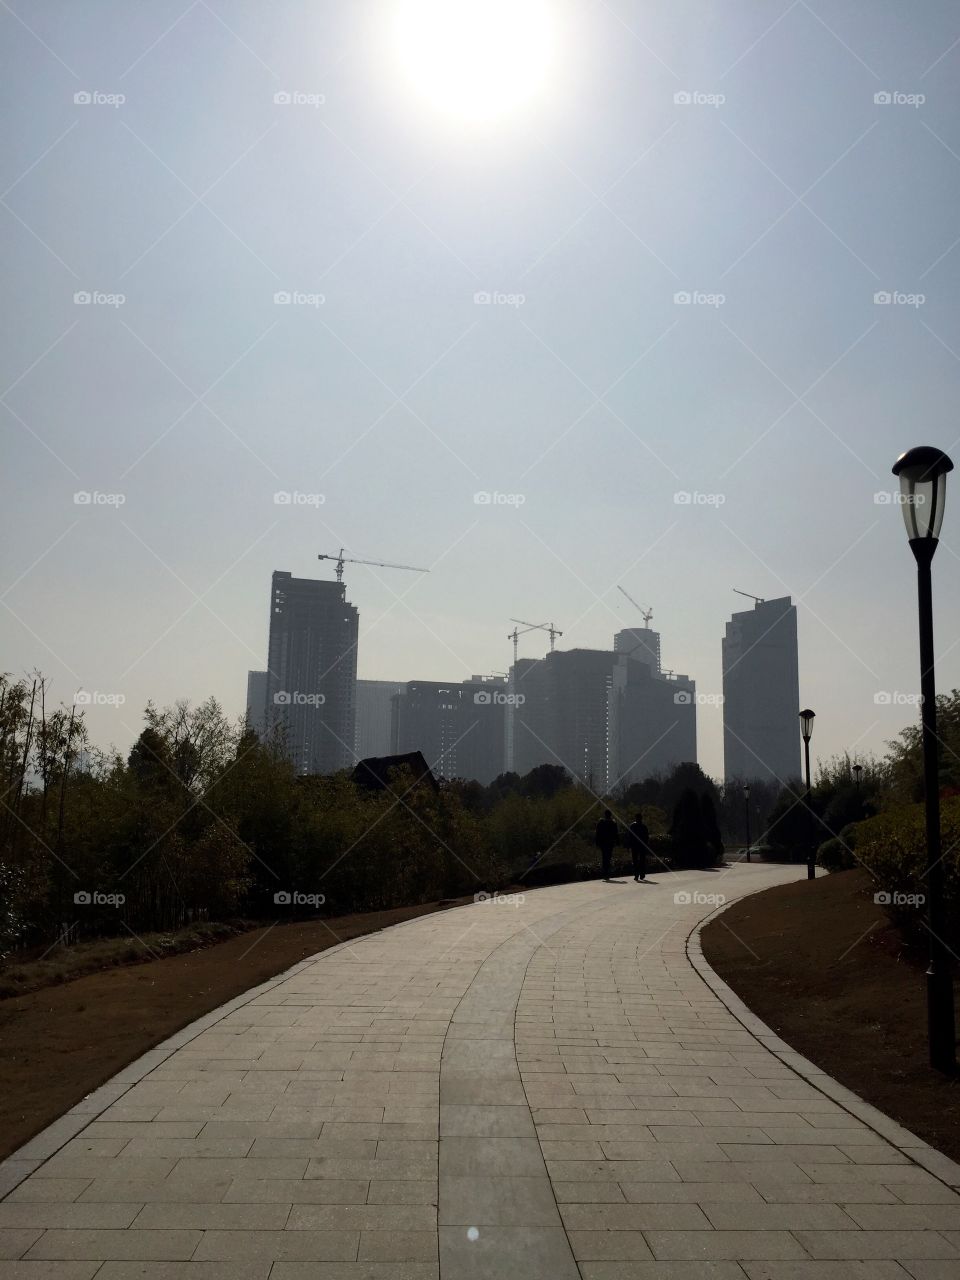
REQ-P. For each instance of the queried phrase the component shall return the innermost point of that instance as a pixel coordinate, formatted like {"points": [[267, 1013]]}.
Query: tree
{"points": [[687, 830]]}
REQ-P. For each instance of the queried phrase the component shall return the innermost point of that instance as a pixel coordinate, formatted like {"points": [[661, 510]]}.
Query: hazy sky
{"points": [[781, 186]]}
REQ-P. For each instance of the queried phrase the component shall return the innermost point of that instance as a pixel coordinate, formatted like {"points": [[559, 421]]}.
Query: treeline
{"points": [[203, 822]]}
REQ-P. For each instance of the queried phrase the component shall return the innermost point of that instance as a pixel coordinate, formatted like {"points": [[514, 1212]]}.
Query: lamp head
{"points": [[922, 472]]}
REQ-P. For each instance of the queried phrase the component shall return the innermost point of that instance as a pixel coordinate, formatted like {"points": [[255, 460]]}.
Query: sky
{"points": [[680, 216]]}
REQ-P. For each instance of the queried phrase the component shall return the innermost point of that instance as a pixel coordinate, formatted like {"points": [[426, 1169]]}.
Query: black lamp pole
{"points": [[806, 729], [746, 810], [922, 473]]}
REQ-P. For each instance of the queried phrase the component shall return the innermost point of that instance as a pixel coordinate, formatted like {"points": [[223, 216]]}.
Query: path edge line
{"points": [[916, 1150]]}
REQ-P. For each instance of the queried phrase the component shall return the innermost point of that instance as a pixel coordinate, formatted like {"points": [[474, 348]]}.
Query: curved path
{"points": [[543, 1090]]}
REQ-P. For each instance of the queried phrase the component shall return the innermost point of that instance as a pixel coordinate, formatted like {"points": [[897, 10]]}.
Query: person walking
{"points": [[606, 840], [638, 838]]}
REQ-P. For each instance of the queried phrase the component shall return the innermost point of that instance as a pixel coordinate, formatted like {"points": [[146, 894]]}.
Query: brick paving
{"points": [[534, 1091]]}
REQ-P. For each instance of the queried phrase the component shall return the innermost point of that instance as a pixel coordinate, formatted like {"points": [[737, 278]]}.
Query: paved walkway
{"points": [[542, 1091]]}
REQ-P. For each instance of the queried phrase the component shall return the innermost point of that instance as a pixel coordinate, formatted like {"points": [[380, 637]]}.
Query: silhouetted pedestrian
{"points": [[638, 838], [606, 839]]}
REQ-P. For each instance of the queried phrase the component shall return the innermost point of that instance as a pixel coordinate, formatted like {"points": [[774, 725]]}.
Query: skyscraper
{"points": [[257, 702], [564, 718], [761, 693], [608, 718], [639, 642], [653, 726], [312, 672]]}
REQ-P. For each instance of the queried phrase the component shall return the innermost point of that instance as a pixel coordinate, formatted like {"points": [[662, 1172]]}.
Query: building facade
{"points": [[459, 727], [609, 718], [310, 689], [761, 693], [373, 735]]}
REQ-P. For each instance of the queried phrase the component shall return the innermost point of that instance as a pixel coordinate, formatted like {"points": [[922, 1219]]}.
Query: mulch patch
{"points": [[821, 964], [60, 1043]]}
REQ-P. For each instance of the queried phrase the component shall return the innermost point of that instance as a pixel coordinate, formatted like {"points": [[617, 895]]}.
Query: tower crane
{"points": [[646, 614], [749, 595], [341, 560], [515, 634]]}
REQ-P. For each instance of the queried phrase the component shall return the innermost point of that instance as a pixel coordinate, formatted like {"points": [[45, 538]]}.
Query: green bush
{"points": [[892, 847]]}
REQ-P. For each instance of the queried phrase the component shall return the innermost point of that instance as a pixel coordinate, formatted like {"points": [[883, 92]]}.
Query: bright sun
{"points": [[476, 60]]}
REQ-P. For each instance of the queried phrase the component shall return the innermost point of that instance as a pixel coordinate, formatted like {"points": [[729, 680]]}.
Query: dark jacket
{"points": [[606, 837], [638, 837]]}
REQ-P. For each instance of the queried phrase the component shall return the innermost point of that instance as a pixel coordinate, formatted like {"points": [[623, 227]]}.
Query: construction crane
{"points": [[646, 614], [341, 560], [515, 634], [749, 595]]}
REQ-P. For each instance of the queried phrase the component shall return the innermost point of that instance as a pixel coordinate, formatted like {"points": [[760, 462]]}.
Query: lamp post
{"points": [[806, 730], [746, 811], [923, 482], [857, 773]]}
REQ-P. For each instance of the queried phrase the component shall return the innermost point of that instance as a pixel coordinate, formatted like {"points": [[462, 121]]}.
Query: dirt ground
{"points": [[60, 1043], [821, 965]]}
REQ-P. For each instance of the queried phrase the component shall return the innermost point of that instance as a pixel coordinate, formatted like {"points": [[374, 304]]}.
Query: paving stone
{"points": [[878, 1244], [15, 1241], [277, 1246], [505, 1253], [320, 1127], [126, 1245], [735, 1245], [48, 1270]]}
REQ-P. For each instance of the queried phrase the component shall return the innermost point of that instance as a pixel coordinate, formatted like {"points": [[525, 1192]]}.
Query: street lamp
{"points": [[857, 773], [746, 810], [923, 483], [806, 730]]}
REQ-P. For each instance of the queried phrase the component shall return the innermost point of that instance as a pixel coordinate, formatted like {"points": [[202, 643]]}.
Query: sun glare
{"points": [[475, 60]]}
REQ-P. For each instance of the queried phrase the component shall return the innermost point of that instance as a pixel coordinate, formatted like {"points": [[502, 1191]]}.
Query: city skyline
{"points": [[610, 717], [668, 329]]}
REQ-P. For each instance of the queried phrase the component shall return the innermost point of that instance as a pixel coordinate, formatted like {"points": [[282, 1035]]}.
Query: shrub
{"points": [[892, 846]]}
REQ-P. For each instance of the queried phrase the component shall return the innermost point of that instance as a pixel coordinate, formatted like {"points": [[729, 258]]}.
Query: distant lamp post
{"points": [[806, 730], [746, 810], [923, 484], [857, 774]]}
